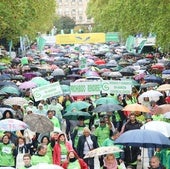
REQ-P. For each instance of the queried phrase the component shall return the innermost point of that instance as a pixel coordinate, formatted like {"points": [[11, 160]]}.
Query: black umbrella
{"points": [[107, 108], [127, 71]]}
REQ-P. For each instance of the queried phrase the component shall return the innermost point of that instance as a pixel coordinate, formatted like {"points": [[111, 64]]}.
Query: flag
{"points": [[40, 43]]}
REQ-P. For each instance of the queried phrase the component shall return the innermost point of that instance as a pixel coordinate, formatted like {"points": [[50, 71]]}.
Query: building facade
{"points": [[75, 9]]}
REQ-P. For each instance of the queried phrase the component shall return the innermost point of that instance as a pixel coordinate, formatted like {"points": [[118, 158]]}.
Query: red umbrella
{"points": [[100, 62], [158, 67]]}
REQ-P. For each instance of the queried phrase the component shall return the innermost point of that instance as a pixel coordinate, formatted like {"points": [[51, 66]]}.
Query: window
{"points": [[80, 18], [80, 11], [73, 11]]}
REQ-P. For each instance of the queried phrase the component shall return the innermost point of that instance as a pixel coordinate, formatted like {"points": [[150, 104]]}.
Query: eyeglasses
{"points": [[102, 121]]}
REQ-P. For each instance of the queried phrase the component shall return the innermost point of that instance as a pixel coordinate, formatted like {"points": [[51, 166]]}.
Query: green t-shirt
{"points": [[6, 155], [56, 122], [63, 151], [74, 165], [25, 167], [36, 159], [79, 133], [102, 133]]}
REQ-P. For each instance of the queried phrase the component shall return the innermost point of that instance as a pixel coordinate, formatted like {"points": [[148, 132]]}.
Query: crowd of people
{"points": [[71, 140]]}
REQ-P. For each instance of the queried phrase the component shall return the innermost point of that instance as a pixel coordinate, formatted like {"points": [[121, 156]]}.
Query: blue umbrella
{"points": [[143, 138], [166, 71], [153, 78]]}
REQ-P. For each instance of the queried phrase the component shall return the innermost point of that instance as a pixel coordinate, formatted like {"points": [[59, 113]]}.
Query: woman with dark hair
{"points": [[7, 114], [46, 141], [6, 153], [73, 161]]}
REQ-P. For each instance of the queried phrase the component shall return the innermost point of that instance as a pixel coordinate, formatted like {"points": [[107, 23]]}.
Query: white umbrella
{"points": [[160, 126], [166, 115], [46, 166], [101, 151], [152, 94]]}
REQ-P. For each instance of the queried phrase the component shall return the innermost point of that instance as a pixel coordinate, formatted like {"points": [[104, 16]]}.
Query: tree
{"points": [[64, 23], [25, 17], [131, 17]]}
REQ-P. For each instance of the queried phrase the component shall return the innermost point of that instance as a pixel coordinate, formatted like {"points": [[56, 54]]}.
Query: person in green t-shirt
{"points": [[77, 131], [103, 131], [41, 156], [27, 161], [110, 142], [53, 119], [6, 152]]}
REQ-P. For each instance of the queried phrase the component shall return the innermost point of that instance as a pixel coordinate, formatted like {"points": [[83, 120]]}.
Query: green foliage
{"points": [[64, 23], [25, 17], [131, 17]]}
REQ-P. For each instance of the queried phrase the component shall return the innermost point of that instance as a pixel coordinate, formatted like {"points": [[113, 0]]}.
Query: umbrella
{"points": [[143, 138], [5, 77], [164, 108], [39, 81], [164, 87], [115, 74], [107, 108], [39, 123], [74, 115], [10, 90], [127, 71], [158, 66], [12, 125], [106, 100], [30, 75], [78, 105], [160, 126], [91, 73], [166, 115], [46, 166], [153, 78], [27, 85], [152, 94], [20, 101], [136, 107], [102, 151], [4, 108], [58, 72], [147, 85]]}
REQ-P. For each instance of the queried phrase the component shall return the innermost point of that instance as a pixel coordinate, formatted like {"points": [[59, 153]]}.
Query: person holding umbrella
{"points": [[86, 143], [131, 154]]}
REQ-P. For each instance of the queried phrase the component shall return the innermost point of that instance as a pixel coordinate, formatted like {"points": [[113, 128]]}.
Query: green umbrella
{"points": [[74, 115], [10, 90], [77, 105], [106, 100], [2, 67], [39, 81]]}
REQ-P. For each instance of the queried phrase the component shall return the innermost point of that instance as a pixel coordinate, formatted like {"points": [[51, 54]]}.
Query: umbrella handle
{"points": [[96, 162]]}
